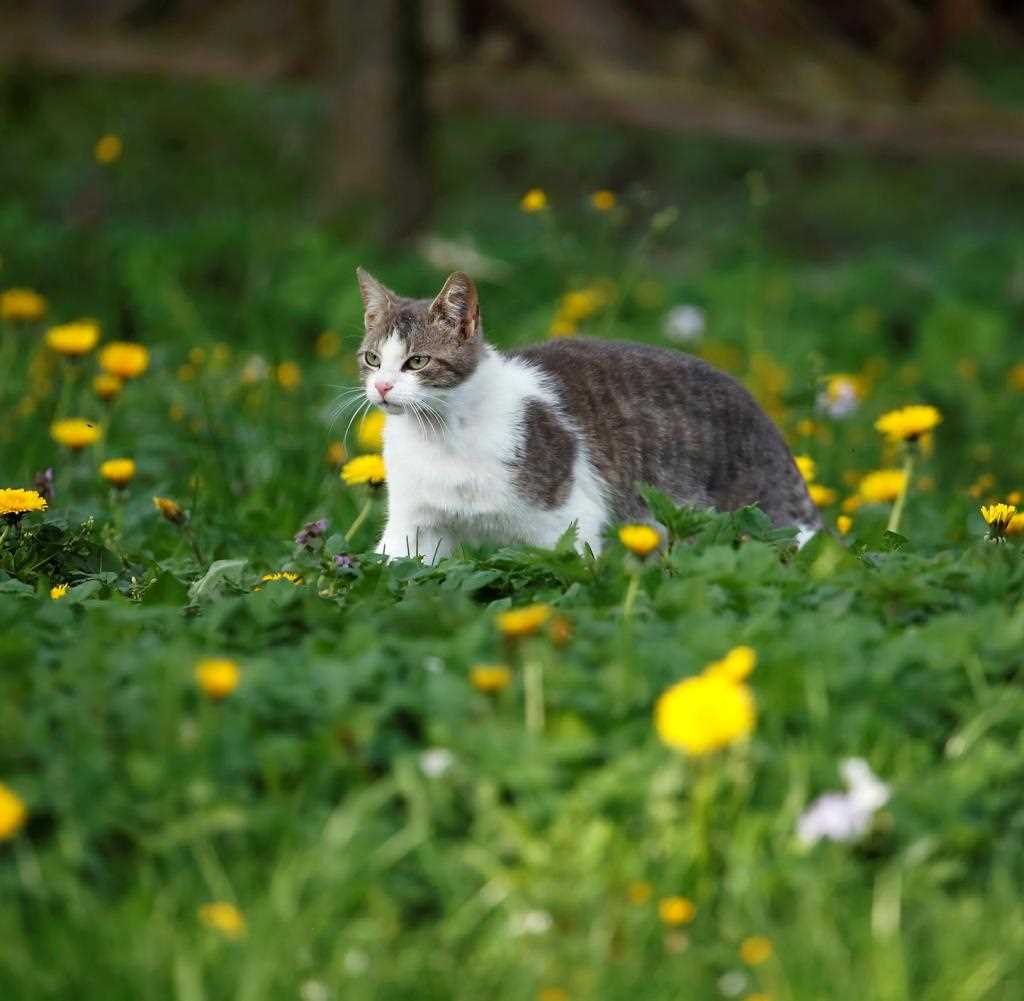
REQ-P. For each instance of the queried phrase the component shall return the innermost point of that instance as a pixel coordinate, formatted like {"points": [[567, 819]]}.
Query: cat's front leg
{"points": [[402, 540]]}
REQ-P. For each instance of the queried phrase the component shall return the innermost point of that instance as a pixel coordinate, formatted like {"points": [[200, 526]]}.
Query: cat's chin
{"points": [[391, 408]]}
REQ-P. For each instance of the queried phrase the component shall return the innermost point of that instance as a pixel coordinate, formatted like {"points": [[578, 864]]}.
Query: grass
{"points": [[523, 861]]}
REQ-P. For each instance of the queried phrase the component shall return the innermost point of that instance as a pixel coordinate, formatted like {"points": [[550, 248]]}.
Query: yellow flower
{"points": [[14, 503], [757, 996], [561, 327], [519, 622], [21, 304], [882, 485], [736, 665], [108, 149], [119, 472], [223, 917], [998, 518], [640, 892], [552, 994], [705, 713], [12, 812], [328, 344], [534, 201], [370, 432], [560, 630], [74, 432], [171, 510], [289, 375], [1016, 376], [807, 466], [73, 339], [364, 469], [1016, 525], [676, 910], [603, 200], [336, 453], [640, 540], [582, 303], [490, 677], [217, 676], [107, 386], [844, 523], [821, 495], [58, 591], [292, 578], [755, 950], [124, 359], [908, 423]]}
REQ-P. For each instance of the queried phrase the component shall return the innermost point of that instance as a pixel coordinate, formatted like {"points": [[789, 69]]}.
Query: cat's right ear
{"points": [[377, 298]]}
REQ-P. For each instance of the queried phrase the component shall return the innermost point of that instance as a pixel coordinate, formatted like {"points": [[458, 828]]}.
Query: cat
{"points": [[482, 445]]}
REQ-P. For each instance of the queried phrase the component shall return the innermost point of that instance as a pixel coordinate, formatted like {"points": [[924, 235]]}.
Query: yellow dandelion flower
{"points": [[125, 359], [852, 503], [328, 344], [705, 713], [119, 472], [758, 996], [533, 201], [370, 432], [552, 994], [59, 591], [844, 523], [560, 630], [21, 304], [908, 423], [519, 622], [756, 950], [14, 502], [821, 495], [223, 917], [1016, 525], [73, 339], [12, 812], [561, 327], [171, 510], [639, 893], [581, 304], [842, 386], [736, 665], [364, 469], [292, 578], [603, 200], [74, 432], [336, 453], [1014, 497], [882, 486], [108, 149], [640, 540], [807, 466], [218, 677], [806, 428], [288, 375], [490, 678], [107, 386], [676, 911], [1016, 377], [998, 518]]}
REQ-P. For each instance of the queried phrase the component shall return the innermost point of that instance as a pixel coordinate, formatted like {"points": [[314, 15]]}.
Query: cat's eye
{"points": [[372, 359], [415, 362]]}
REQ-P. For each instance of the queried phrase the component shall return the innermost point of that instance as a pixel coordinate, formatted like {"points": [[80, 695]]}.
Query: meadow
{"points": [[241, 756]]}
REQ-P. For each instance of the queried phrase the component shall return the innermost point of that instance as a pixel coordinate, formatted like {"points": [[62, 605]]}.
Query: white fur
{"points": [[454, 483]]}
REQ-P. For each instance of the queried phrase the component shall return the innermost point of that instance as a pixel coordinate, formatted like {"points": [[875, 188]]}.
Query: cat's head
{"points": [[416, 351]]}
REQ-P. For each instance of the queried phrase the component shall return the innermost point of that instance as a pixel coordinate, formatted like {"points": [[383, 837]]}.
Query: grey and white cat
{"points": [[488, 446]]}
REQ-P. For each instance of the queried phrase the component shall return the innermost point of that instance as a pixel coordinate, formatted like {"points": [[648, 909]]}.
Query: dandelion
{"points": [[533, 201], [844, 816], [364, 469], [370, 431], [705, 713], [118, 472], [844, 523], [640, 540], [335, 454], [684, 323], [821, 495], [218, 677], [1016, 377], [12, 812], [581, 304], [59, 591], [15, 503], [124, 359], [639, 893], [171, 510], [756, 950], [108, 149], [882, 486], [676, 911], [553, 994], [289, 375], [560, 630], [73, 339], [998, 518], [74, 433], [107, 386], [328, 344], [21, 305], [223, 917], [1016, 525], [490, 678], [736, 665], [807, 466], [603, 200], [518, 623], [561, 327], [908, 423], [287, 575]]}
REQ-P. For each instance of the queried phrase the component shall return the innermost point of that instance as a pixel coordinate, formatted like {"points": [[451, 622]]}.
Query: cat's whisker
{"points": [[363, 408]]}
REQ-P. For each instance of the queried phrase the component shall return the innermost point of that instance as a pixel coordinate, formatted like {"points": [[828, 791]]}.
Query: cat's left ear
{"points": [[457, 306]]}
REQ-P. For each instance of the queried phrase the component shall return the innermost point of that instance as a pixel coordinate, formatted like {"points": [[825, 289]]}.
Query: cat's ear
{"points": [[377, 298], [457, 306]]}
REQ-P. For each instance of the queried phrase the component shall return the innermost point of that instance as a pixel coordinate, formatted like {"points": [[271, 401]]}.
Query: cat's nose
{"points": [[383, 387]]}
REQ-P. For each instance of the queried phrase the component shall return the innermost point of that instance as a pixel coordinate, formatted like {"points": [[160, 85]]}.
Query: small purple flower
{"points": [[43, 482], [344, 562], [313, 530]]}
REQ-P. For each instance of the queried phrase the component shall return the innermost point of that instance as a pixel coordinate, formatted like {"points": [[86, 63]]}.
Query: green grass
{"points": [[302, 797]]}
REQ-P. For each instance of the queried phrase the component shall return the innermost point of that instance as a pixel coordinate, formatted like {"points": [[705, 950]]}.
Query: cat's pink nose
{"points": [[383, 387]]}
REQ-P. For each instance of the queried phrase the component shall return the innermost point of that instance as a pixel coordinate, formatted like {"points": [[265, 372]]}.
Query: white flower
{"points": [[844, 816], [839, 398], [314, 990], [684, 323], [436, 761], [733, 983], [356, 962], [530, 923]]}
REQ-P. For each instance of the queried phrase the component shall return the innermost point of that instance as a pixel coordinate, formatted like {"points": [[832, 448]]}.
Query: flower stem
{"points": [[533, 682], [897, 509], [360, 518], [631, 592], [197, 552]]}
